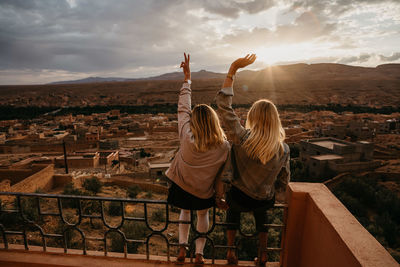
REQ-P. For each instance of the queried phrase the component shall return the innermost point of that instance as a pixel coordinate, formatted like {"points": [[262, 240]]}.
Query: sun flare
{"points": [[285, 53]]}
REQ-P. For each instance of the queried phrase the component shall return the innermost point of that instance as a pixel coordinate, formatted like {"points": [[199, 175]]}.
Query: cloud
{"points": [[393, 57], [232, 9], [355, 59], [141, 37], [306, 27]]}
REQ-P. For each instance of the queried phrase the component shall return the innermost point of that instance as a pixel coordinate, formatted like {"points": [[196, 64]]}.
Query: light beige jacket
{"points": [[195, 172]]}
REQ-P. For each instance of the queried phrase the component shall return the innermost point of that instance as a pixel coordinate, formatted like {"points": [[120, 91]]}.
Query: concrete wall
{"points": [[353, 166], [320, 231], [42, 179], [15, 175], [60, 180], [78, 162]]}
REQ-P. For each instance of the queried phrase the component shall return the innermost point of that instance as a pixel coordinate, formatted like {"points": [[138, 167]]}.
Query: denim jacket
{"points": [[257, 180]]}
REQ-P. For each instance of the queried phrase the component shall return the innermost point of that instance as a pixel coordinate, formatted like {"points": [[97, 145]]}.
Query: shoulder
{"points": [[286, 149], [226, 145], [286, 152]]}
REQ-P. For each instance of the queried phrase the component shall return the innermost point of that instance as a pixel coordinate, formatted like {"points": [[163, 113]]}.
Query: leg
{"points": [[261, 218], [183, 234], [232, 216], [202, 227]]}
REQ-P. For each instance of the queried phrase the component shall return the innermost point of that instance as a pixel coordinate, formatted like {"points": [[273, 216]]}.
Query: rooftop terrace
{"points": [[317, 230]]}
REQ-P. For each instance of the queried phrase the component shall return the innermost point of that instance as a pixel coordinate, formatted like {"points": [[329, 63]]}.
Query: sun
{"points": [[284, 53]]}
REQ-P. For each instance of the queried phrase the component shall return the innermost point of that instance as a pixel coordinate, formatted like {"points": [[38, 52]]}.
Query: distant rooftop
{"points": [[327, 143], [327, 157], [159, 165]]}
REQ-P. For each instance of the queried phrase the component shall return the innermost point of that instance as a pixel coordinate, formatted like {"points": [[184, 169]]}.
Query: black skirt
{"points": [[184, 200], [237, 199]]}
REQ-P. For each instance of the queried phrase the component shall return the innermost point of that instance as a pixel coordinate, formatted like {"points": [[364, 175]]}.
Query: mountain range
{"points": [[282, 72]]}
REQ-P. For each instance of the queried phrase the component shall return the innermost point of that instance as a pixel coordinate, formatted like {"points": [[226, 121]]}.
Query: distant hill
{"points": [[300, 84], [202, 74], [282, 72], [91, 80]]}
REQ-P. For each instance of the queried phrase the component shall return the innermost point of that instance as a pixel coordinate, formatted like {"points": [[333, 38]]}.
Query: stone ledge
{"points": [[17, 256]]}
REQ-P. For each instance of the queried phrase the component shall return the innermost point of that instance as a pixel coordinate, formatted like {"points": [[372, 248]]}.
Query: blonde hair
{"points": [[206, 129], [266, 131]]}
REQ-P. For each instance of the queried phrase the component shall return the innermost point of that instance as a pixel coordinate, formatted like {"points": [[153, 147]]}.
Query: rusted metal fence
{"points": [[22, 214]]}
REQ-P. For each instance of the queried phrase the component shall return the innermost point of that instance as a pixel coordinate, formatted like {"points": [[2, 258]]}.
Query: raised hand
{"points": [[242, 62], [186, 67]]}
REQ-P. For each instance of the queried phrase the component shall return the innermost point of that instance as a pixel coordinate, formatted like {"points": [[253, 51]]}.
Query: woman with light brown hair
{"points": [[196, 169], [260, 162]]}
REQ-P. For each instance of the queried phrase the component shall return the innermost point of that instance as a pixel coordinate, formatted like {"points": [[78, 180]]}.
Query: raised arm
{"points": [[184, 102], [224, 99]]}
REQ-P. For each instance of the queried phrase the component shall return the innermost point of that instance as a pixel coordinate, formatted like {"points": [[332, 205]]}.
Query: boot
{"points": [[261, 260], [199, 260], [182, 254], [230, 255]]}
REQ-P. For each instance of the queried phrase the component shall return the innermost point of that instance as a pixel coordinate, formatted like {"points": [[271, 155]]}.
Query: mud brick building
{"points": [[325, 157]]}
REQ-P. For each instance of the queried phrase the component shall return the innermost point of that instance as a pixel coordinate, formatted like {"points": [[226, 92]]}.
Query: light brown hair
{"points": [[206, 128]]}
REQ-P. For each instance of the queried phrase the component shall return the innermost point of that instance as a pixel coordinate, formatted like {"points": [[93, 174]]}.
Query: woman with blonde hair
{"points": [[260, 162], [196, 169]]}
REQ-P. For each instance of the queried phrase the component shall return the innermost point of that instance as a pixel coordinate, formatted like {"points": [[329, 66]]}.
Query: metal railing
{"points": [[55, 217]]}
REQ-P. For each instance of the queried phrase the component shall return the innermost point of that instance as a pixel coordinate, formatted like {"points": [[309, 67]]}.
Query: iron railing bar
{"points": [[49, 214], [178, 222], [10, 211], [14, 232], [128, 200], [91, 216], [135, 219], [272, 225], [53, 235], [136, 241], [94, 238]]}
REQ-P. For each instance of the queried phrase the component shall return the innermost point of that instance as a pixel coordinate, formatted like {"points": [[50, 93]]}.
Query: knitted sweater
{"points": [[195, 172]]}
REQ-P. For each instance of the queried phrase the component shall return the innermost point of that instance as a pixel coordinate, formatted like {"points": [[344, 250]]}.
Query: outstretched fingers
{"points": [[252, 58], [187, 58]]}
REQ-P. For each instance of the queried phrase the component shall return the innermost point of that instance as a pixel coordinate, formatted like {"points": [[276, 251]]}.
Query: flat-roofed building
{"points": [[157, 171], [325, 157]]}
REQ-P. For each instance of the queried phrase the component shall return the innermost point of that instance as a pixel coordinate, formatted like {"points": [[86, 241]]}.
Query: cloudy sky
{"points": [[51, 40]]}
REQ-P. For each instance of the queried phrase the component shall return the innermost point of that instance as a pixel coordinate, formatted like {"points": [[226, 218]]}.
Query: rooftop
{"points": [[327, 157], [159, 165], [328, 144]]}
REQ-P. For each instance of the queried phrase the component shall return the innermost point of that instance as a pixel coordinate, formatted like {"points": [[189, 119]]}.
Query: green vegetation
{"points": [[294, 150], [69, 189], [298, 172], [144, 154], [247, 247], [376, 208], [93, 185], [114, 208], [11, 112], [132, 230], [158, 215], [133, 191]]}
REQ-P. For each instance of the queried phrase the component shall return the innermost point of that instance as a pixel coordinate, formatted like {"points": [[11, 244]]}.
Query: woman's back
{"points": [[257, 180], [254, 178], [195, 169]]}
